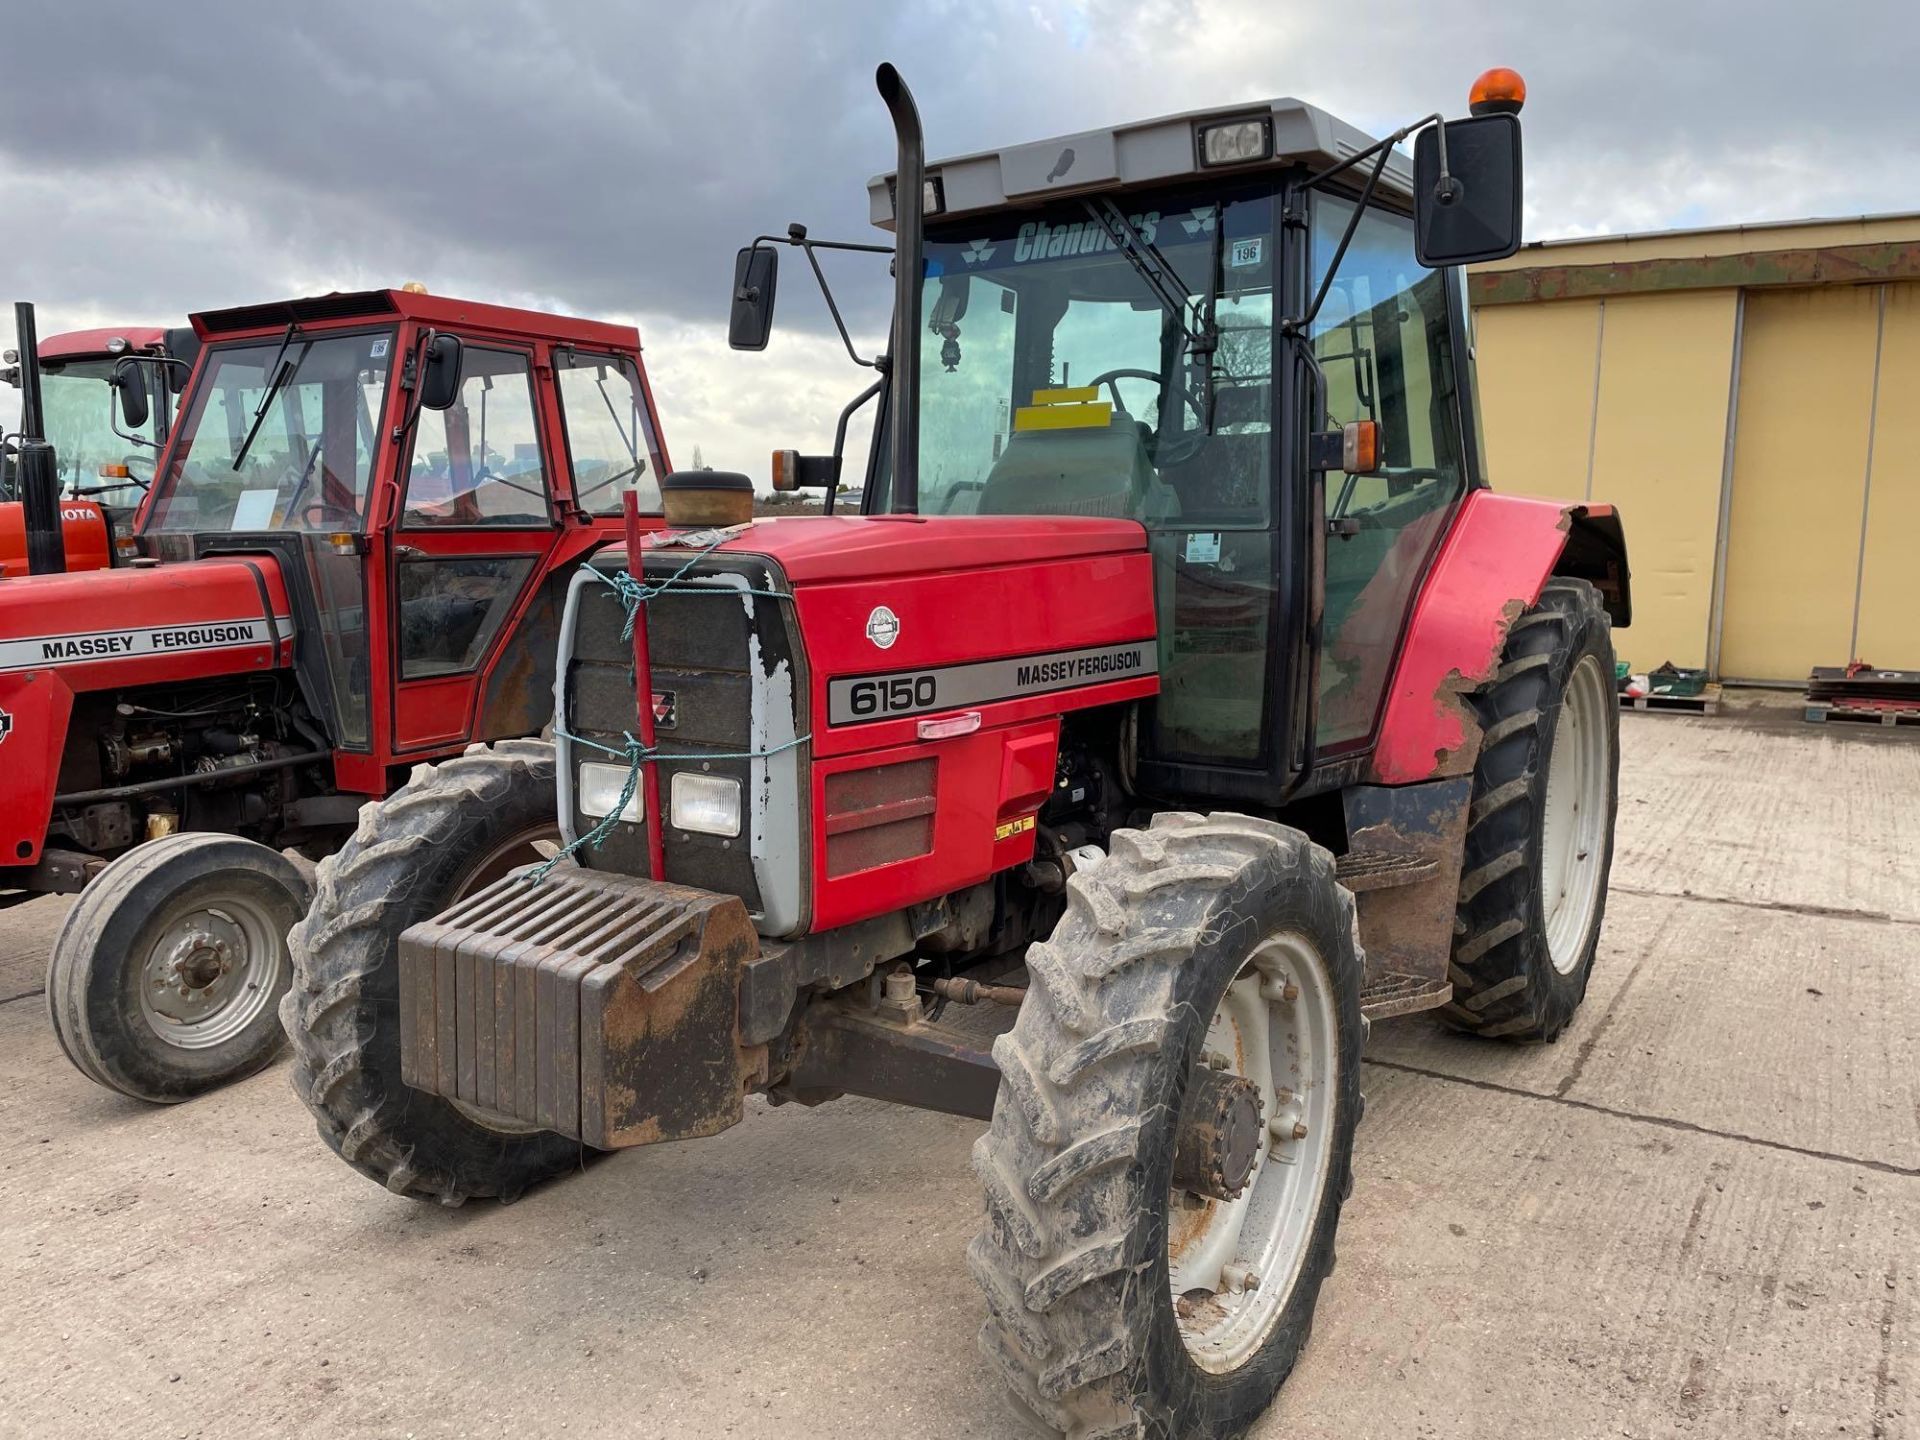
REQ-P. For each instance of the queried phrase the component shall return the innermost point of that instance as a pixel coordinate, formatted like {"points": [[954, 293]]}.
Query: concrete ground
{"points": [[1697, 1214]]}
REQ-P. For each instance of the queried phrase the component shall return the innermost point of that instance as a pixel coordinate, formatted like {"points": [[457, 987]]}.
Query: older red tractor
{"points": [[353, 558], [1182, 684]]}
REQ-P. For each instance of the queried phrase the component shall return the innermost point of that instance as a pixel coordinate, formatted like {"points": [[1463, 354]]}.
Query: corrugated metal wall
{"points": [[1802, 514]]}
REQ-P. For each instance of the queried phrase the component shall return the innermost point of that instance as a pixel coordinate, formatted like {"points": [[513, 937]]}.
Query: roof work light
{"points": [[1498, 91], [1236, 142]]}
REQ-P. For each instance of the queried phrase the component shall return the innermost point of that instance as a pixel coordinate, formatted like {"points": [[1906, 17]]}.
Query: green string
{"points": [[633, 594]]}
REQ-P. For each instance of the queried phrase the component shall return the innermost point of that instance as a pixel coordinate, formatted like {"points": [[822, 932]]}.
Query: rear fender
{"points": [[36, 707], [1491, 567]]}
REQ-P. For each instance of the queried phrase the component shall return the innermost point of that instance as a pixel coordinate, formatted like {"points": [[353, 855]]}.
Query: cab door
{"points": [[476, 525], [1384, 345]]}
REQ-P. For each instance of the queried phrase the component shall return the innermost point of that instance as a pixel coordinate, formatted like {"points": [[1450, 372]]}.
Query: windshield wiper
{"points": [[281, 373], [1199, 331]]}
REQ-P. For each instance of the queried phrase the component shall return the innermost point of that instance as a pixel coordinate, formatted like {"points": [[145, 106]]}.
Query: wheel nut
{"points": [[1214, 1060], [1284, 991], [1299, 1129], [1239, 1278]]}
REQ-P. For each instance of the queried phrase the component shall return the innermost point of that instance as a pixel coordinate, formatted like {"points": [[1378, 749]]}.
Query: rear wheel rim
{"points": [[1233, 1265], [528, 847], [211, 971], [1574, 817]]}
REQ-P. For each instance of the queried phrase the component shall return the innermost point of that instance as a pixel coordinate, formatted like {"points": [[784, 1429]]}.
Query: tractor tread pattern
{"points": [[342, 1010], [1061, 1259], [1504, 981]]}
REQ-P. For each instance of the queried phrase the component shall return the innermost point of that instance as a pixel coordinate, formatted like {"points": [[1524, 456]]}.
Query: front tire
{"points": [[1169, 948], [164, 979], [1539, 845], [451, 829]]}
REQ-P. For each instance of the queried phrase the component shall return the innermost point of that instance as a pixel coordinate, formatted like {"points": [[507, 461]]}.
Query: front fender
{"points": [[35, 708], [1492, 566]]}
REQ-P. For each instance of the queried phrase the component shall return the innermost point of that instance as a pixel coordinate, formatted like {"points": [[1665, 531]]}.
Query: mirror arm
{"points": [[413, 381], [797, 237], [840, 432], [1298, 324]]}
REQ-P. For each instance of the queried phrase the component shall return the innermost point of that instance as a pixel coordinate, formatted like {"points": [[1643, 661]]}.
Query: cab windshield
{"points": [[77, 402], [310, 462], [1056, 380]]}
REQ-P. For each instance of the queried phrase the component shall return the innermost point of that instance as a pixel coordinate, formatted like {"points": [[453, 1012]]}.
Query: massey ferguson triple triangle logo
{"points": [[978, 252]]}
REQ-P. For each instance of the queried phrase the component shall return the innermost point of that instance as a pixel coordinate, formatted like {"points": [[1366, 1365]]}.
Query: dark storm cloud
{"points": [[611, 157]]}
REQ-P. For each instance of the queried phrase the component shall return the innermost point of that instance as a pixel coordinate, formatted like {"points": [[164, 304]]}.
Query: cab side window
{"points": [[1384, 345], [610, 443], [480, 462]]}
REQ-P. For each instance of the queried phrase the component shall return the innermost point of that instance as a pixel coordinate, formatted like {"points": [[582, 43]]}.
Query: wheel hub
{"points": [[210, 972], [1220, 1135]]}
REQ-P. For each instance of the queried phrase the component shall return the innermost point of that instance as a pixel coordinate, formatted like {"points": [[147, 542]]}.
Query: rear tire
{"points": [[1078, 1166], [451, 829], [165, 978], [1522, 958]]}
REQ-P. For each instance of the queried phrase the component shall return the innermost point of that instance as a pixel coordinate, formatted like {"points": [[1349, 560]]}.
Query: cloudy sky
{"points": [[607, 159]]}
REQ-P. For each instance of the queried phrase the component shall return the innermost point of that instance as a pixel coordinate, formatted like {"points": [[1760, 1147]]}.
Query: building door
{"points": [[1803, 444]]}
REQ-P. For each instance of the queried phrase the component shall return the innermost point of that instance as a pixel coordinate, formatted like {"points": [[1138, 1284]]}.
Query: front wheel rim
{"points": [[1574, 816], [211, 972], [1234, 1264]]}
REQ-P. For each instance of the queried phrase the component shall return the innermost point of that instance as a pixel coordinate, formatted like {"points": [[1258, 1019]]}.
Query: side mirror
{"points": [[130, 385], [440, 386], [1473, 214], [756, 272]]}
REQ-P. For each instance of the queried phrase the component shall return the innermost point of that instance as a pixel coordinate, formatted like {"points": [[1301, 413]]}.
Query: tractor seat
{"points": [[1099, 471]]}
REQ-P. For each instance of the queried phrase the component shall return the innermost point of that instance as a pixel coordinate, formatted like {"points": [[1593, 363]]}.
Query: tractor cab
{"points": [[418, 467], [1152, 322]]}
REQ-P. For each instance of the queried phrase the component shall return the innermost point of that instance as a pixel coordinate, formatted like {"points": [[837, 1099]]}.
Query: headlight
{"points": [[709, 804], [1236, 142], [599, 791]]}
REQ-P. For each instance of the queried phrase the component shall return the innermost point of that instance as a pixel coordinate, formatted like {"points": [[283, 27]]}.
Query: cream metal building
{"points": [[1750, 398]]}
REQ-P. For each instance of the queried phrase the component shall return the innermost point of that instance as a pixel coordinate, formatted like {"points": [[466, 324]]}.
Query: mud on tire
{"points": [[1078, 1163], [403, 865], [1505, 981]]}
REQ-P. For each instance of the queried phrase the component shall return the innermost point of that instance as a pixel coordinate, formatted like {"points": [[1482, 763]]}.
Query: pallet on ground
{"points": [[1889, 715], [1707, 702]]}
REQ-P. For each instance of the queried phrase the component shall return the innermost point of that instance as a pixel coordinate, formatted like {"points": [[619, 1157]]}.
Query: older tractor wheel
{"points": [[1173, 1137], [164, 978], [453, 828], [1533, 886]]}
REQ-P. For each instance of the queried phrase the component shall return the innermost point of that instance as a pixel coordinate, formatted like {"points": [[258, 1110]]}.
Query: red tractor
{"points": [[71, 387], [353, 558], [1182, 684]]}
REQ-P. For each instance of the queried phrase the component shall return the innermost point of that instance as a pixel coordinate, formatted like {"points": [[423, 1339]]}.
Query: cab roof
{"points": [[1146, 152], [349, 307], [73, 343]]}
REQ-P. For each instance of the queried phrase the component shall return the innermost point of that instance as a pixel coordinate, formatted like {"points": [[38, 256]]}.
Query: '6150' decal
{"points": [[851, 701]]}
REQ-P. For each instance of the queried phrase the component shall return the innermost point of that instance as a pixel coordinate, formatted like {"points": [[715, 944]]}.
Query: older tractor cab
{"points": [[353, 558], [1181, 684]]}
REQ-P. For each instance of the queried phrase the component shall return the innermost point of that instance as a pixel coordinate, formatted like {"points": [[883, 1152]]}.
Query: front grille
{"points": [[726, 676]]}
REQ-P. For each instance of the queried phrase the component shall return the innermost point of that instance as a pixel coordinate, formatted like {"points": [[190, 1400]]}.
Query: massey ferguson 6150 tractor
{"points": [[353, 558], [1182, 684]]}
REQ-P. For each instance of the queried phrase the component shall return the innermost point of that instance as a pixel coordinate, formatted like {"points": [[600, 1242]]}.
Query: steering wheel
{"points": [[323, 515], [1181, 450]]}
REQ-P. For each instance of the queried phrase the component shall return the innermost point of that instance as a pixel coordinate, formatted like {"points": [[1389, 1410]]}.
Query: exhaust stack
{"points": [[35, 469], [903, 416]]}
